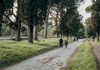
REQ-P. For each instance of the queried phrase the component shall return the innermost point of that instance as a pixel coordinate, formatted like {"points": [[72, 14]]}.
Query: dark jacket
{"points": [[61, 41]]}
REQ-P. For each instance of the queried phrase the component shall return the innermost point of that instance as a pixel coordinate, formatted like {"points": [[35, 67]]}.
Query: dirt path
{"points": [[96, 51]]}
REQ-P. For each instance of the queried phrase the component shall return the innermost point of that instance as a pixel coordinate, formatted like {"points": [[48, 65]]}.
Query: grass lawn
{"points": [[12, 51], [83, 59]]}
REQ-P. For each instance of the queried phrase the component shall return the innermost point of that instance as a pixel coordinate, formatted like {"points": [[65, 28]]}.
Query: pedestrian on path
{"points": [[93, 37], [66, 43], [61, 42], [77, 38], [74, 38]]}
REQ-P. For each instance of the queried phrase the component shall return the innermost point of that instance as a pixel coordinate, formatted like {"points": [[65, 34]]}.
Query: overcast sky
{"points": [[82, 9]]}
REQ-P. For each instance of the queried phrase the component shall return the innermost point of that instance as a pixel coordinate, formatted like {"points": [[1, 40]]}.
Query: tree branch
{"points": [[11, 21]]}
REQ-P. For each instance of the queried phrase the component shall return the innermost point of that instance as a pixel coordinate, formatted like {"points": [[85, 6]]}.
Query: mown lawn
{"points": [[12, 51], [83, 59]]}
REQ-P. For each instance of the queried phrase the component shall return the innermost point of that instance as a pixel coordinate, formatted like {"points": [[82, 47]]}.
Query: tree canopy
{"points": [[35, 12]]}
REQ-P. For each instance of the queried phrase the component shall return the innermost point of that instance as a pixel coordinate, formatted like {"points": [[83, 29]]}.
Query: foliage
{"points": [[90, 28], [51, 30], [5, 9], [33, 11], [76, 25], [80, 33], [6, 31], [89, 9], [89, 31], [83, 59], [95, 17], [70, 19], [5, 5]]}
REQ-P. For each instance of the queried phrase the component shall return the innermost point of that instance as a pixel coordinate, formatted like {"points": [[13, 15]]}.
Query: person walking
{"points": [[77, 38], [93, 37], [61, 42], [74, 38], [66, 43]]}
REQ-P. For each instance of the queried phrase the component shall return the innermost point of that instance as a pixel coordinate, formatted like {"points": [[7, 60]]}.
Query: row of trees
{"points": [[93, 22], [36, 12]]}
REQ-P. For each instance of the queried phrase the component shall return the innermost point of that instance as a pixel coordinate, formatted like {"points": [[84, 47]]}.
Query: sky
{"points": [[82, 11]]}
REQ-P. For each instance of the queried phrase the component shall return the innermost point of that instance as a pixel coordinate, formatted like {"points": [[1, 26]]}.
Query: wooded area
{"points": [[43, 18]]}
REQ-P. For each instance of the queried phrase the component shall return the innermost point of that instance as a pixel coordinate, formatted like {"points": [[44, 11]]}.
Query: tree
{"points": [[55, 15], [32, 13], [1, 13], [51, 4], [46, 21], [89, 30], [95, 18], [5, 6], [35, 32], [96, 9], [16, 26], [67, 16], [76, 24]]}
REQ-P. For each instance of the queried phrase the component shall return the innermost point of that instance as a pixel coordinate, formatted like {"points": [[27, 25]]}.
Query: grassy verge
{"points": [[12, 51], [83, 59], [97, 42]]}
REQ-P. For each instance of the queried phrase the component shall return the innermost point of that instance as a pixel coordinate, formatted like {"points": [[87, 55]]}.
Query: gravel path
{"points": [[53, 60]]}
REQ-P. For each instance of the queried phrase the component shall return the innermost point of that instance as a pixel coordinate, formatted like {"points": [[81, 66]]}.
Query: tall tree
{"points": [[90, 28], [50, 4], [56, 17], [33, 11], [46, 21], [5, 6], [35, 32], [18, 21], [68, 12], [1, 13], [16, 26], [95, 17]]}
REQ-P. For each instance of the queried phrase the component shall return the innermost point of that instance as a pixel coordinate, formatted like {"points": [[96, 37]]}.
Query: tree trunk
{"points": [[11, 33], [97, 37], [56, 21], [30, 33], [70, 36], [0, 29], [1, 13], [45, 30], [0, 23], [97, 34], [61, 34], [35, 32], [61, 16], [57, 35], [18, 29], [46, 22]]}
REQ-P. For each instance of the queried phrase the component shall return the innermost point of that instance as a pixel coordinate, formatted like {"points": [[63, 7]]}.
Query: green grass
{"points": [[12, 51], [97, 42], [83, 59]]}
